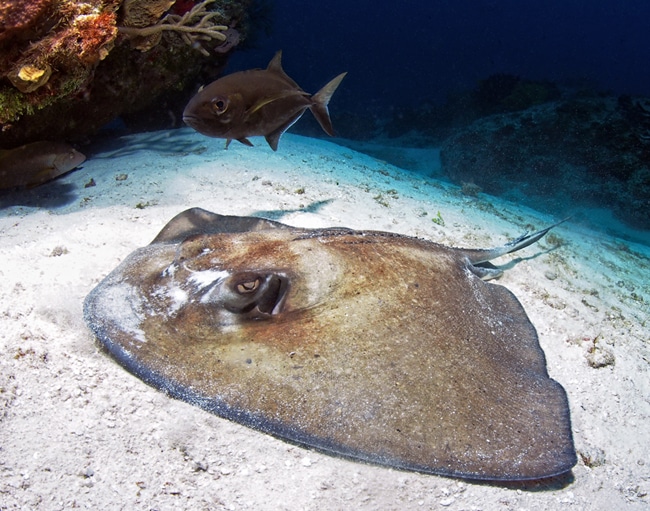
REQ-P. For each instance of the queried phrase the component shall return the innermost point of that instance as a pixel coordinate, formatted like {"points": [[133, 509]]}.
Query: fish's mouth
{"points": [[191, 120]]}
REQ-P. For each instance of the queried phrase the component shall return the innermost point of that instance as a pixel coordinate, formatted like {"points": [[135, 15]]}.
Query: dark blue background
{"points": [[401, 53]]}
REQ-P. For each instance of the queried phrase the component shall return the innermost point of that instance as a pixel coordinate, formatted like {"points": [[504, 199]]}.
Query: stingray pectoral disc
{"points": [[369, 345]]}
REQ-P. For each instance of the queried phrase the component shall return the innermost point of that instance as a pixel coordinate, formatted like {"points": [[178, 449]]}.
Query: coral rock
{"points": [[17, 17], [588, 151], [66, 69], [143, 13], [29, 78]]}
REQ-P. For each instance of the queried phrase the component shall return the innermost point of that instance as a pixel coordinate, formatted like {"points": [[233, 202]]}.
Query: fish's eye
{"points": [[219, 105], [248, 286]]}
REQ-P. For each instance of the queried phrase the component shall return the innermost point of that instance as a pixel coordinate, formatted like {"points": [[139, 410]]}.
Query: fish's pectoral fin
{"points": [[321, 99], [273, 138]]}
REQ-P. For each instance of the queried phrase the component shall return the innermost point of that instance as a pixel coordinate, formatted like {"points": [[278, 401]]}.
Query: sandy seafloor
{"points": [[78, 431]]}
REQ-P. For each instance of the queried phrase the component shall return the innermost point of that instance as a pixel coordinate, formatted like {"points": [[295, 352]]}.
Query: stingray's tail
{"points": [[320, 101], [527, 239], [522, 241]]}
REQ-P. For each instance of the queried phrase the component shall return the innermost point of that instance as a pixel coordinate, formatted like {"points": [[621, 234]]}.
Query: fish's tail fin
{"points": [[320, 101]]}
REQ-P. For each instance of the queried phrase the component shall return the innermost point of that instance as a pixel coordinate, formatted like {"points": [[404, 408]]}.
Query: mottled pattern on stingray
{"points": [[369, 345]]}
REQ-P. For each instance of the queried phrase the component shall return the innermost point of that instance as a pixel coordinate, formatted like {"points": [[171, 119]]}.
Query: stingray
{"points": [[370, 345]]}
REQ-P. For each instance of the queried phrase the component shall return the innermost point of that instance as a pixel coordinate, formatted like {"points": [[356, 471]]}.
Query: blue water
{"points": [[416, 50], [406, 59]]}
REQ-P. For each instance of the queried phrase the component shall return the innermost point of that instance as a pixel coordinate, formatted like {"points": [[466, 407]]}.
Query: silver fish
{"points": [[262, 102]]}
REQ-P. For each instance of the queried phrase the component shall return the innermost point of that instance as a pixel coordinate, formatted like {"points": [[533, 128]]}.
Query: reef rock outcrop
{"points": [[67, 67], [591, 151]]}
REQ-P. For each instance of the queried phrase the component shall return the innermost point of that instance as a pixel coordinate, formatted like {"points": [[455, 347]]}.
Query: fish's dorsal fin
{"points": [[276, 63], [275, 66]]}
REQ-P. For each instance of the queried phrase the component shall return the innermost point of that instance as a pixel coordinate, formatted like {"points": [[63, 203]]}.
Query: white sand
{"points": [[77, 430]]}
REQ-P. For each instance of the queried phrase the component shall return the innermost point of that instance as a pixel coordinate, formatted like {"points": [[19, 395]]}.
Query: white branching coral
{"points": [[194, 27]]}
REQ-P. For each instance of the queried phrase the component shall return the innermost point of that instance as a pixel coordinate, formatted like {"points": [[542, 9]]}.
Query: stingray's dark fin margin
{"points": [[200, 221], [488, 271]]}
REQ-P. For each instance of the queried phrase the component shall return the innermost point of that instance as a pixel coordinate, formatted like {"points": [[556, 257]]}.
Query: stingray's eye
{"points": [[249, 286], [219, 105]]}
